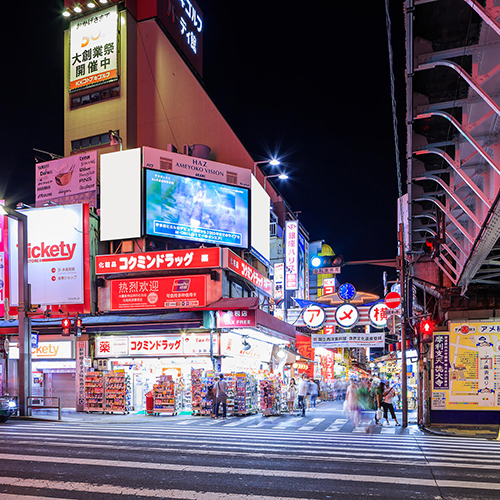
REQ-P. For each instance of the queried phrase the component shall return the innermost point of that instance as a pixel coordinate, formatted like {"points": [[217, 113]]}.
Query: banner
{"points": [[236, 319], [159, 293], [239, 266], [292, 255]]}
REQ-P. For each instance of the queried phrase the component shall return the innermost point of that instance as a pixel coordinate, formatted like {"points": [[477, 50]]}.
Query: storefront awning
{"points": [[231, 304], [275, 327]]}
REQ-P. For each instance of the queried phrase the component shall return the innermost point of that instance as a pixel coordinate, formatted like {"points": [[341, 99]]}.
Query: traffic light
{"points": [[432, 246], [327, 261], [426, 330], [66, 327], [78, 326]]}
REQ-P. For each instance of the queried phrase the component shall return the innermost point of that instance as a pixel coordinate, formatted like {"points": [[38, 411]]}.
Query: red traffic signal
{"points": [[426, 329], [78, 326], [66, 327]]}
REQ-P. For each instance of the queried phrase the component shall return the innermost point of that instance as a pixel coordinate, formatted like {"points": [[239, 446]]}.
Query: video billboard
{"points": [[193, 209]]}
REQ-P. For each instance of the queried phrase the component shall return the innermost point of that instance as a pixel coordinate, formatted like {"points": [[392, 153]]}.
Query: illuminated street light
{"points": [[23, 306], [274, 162], [78, 8], [283, 177], [66, 13]]}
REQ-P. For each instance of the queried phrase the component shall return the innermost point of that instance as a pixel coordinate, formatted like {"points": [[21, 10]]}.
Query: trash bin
{"points": [[149, 403]]}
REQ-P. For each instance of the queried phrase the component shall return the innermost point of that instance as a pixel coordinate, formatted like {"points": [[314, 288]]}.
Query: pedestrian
{"points": [[314, 391], [221, 397], [303, 388], [210, 397], [388, 406], [351, 403], [292, 394]]}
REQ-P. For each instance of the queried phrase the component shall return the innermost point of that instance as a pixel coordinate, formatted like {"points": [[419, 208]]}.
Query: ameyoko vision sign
{"points": [[55, 255]]}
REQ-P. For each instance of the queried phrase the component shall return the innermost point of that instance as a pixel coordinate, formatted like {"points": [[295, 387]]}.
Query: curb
{"points": [[443, 433]]}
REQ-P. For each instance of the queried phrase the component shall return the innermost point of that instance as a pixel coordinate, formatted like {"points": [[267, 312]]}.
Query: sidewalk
{"points": [[464, 430]]}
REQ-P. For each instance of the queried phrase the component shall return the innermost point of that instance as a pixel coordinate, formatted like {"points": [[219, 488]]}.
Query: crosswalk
{"points": [[227, 460]]}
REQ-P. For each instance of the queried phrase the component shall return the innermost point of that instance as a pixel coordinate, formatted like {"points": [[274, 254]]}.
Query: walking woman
{"points": [[292, 394], [388, 406]]}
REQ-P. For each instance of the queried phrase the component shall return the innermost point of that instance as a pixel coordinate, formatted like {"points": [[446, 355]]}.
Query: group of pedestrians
{"points": [[369, 394], [301, 391]]}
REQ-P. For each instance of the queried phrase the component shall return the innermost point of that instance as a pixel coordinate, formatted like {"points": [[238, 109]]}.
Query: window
{"points": [[93, 97], [91, 142]]}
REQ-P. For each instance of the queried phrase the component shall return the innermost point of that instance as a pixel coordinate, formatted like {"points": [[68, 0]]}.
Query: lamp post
{"points": [[23, 306], [274, 162], [280, 176]]}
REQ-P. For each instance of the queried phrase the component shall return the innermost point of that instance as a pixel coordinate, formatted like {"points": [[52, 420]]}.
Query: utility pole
{"points": [[404, 370]]}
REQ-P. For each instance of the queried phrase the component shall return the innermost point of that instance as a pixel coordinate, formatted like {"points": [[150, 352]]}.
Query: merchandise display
{"points": [[245, 395], [207, 402], [196, 390], [94, 391], [117, 397], [270, 395], [167, 395]]}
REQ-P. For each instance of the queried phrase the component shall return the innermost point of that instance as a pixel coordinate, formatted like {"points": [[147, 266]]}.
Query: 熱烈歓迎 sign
{"points": [[159, 293]]}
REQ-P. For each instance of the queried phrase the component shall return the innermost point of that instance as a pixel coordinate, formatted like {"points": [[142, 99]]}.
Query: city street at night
{"points": [[249, 458]]}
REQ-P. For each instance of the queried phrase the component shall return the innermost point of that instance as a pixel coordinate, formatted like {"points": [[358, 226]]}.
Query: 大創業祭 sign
{"points": [[466, 367]]}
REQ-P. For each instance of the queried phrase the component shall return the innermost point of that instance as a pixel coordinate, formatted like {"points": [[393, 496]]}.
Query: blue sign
{"points": [[34, 340]]}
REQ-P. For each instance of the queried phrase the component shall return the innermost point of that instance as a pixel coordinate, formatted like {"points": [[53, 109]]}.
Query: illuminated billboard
{"points": [[93, 49], [192, 209]]}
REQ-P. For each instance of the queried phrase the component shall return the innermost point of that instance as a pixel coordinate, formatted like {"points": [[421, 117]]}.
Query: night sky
{"points": [[306, 82]]}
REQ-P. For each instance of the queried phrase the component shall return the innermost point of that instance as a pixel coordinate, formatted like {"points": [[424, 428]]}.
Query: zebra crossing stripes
{"points": [[311, 424], [337, 425]]}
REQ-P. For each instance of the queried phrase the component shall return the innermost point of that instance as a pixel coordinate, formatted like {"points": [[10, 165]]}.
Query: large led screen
{"points": [[192, 209]]}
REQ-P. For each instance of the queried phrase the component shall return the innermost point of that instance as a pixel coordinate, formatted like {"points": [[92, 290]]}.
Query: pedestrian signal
{"points": [[426, 330], [78, 327], [66, 327]]}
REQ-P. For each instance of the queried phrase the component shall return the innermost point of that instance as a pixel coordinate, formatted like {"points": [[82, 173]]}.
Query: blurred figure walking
{"points": [[351, 403], [303, 388], [292, 394]]}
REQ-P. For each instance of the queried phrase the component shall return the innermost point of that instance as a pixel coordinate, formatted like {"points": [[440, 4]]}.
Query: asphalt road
{"points": [[255, 458]]}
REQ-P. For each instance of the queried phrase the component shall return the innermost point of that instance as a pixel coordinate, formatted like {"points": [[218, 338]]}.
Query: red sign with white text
{"points": [[195, 258], [239, 266], [167, 292], [236, 319]]}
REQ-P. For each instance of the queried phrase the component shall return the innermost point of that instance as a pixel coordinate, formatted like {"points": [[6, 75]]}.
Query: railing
{"points": [[43, 402]]}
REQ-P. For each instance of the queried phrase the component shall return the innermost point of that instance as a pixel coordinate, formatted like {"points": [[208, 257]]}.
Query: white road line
{"points": [[235, 423], [109, 489], [12, 496], [239, 471], [337, 425], [286, 423], [311, 424]]}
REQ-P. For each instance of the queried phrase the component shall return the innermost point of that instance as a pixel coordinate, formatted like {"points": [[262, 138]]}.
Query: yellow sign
{"points": [[466, 367]]}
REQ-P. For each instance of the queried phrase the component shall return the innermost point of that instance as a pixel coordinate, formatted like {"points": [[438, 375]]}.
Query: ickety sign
{"points": [[159, 293], [196, 258], [55, 255]]}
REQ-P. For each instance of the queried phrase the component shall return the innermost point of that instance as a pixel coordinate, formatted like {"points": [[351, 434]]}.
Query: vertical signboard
{"points": [[291, 255], [3, 261], [81, 354], [93, 49], [301, 280], [279, 281]]}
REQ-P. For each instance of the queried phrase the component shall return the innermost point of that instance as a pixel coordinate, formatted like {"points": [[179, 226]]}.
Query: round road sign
{"points": [[393, 300]]}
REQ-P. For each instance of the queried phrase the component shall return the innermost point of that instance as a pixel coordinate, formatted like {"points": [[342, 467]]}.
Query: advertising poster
{"points": [[93, 50], [158, 293], [240, 267], [292, 255], [191, 209], [55, 255], [3, 264], [466, 367], [68, 180], [301, 290]]}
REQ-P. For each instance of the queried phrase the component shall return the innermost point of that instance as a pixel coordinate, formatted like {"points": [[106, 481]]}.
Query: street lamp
{"points": [[274, 162], [23, 306], [280, 176]]}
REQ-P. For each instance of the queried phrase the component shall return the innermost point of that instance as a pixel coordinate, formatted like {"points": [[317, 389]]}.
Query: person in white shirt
{"points": [[303, 387]]}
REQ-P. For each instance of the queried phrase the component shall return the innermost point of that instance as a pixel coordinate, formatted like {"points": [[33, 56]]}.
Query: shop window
{"points": [[95, 140], [115, 91], [85, 99], [105, 94], [76, 145], [93, 97], [86, 143], [104, 138], [76, 101]]}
